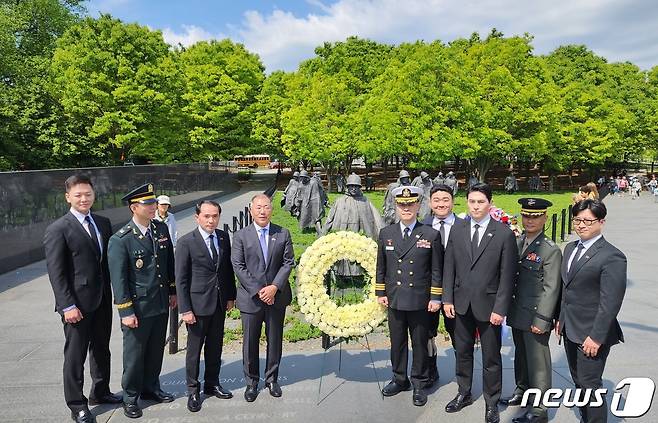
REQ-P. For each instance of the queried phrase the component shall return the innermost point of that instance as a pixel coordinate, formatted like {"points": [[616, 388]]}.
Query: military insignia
{"points": [[139, 263], [150, 188], [532, 202], [423, 243], [163, 239], [533, 257], [406, 192], [121, 230]]}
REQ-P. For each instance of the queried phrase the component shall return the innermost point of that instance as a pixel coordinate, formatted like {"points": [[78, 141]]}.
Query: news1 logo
{"points": [[638, 398]]}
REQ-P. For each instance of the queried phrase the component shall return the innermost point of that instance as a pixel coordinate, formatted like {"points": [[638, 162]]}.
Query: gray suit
{"points": [[592, 293], [254, 273]]}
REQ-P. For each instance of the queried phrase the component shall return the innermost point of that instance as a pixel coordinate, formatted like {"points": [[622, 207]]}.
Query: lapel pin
{"points": [[489, 234], [417, 236]]}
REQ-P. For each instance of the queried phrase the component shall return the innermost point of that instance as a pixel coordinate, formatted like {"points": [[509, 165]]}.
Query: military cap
{"points": [[354, 179], [403, 174], [296, 174], [407, 195], [143, 194], [534, 206], [304, 174]]}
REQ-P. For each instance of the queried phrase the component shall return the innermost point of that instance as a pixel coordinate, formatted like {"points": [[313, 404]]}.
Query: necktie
{"points": [[475, 241], [442, 232], [213, 250], [263, 242], [406, 234], [577, 257], [92, 233]]}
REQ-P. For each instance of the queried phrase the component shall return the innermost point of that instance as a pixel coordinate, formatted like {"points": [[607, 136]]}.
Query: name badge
{"points": [[390, 248]]}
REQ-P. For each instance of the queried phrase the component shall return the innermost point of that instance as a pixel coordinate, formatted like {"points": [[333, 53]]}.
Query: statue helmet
{"points": [[296, 174], [354, 179], [424, 175], [450, 173], [404, 174], [440, 174], [304, 174]]}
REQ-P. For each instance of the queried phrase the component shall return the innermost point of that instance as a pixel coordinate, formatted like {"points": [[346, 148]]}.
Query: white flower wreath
{"points": [[319, 309]]}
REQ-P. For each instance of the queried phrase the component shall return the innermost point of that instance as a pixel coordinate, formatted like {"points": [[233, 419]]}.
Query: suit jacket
{"points": [[537, 290], [409, 273], [592, 293], [430, 219], [484, 282], [77, 273], [142, 271], [201, 285], [254, 273]]}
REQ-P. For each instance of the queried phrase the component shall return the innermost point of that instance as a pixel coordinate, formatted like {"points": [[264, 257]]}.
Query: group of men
{"points": [[472, 271], [476, 274], [88, 265]]}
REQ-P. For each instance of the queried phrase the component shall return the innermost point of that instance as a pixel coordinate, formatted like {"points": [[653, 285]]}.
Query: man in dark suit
{"points": [[593, 288], [141, 262], [205, 287], [479, 272], [262, 258], [442, 220], [76, 257], [409, 260], [532, 311]]}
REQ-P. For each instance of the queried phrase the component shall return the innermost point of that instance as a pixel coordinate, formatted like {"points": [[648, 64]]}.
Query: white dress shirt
{"points": [[586, 245], [482, 229], [267, 232], [81, 218], [447, 225], [411, 227], [206, 239]]}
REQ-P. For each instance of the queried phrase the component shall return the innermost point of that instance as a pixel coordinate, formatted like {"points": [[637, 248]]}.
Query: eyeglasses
{"points": [[588, 222]]}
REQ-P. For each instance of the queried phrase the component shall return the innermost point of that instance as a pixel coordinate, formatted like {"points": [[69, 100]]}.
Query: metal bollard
{"points": [[235, 224], [554, 227], [226, 228], [241, 219], [570, 209], [562, 224]]}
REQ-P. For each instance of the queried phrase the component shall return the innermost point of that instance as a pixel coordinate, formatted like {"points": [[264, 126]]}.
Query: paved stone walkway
{"points": [[31, 342]]}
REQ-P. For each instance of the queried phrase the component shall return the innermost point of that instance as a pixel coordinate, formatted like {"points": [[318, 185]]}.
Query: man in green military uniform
{"points": [[141, 262], [533, 307]]}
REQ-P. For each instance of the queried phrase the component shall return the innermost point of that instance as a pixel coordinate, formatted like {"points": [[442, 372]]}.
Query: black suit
{"points": [[254, 273], [204, 287], [435, 317], [79, 276], [409, 275], [592, 293], [478, 286]]}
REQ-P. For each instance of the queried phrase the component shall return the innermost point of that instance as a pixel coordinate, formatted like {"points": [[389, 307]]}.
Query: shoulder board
{"points": [[549, 241], [124, 231]]}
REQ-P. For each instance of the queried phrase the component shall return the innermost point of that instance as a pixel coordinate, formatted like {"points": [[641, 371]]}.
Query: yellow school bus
{"points": [[253, 160]]}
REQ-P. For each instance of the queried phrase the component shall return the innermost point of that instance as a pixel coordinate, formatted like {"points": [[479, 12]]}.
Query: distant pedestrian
{"points": [[164, 215]]}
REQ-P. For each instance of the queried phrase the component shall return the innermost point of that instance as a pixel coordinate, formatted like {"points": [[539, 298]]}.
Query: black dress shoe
{"points": [[492, 416], [217, 391], [459, 402], [512, 401], [83, 416], [419, 397], [530, 418], [251, 393], [194, 402], [108, 398], [393, 388], [275, 389], [132, 411], [158, 396]]}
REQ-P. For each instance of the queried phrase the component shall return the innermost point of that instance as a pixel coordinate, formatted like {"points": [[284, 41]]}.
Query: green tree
{"points": [[119, 89], [222, 80]]}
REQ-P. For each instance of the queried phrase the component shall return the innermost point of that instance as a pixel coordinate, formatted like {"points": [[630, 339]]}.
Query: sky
{"points": [[285, 32]]}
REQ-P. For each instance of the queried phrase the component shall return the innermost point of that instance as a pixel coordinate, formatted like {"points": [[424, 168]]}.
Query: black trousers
{"points": [[92, 334], [252, 325], [207, 332], [490, 340], [401, 325], [447, 322], [587, 373], [143, 348], [532, 364]]}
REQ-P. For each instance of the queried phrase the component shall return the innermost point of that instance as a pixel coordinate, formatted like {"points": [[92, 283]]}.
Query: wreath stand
{"points": [[328, 342]]}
